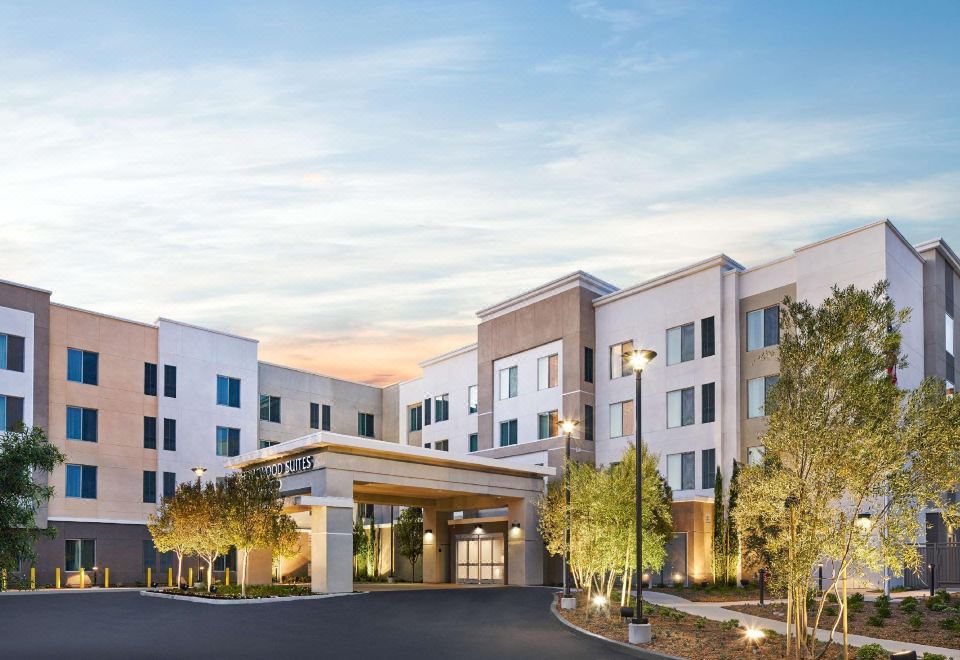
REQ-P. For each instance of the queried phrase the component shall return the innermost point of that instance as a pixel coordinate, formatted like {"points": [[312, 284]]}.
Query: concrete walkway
{"points": [[717, 612]]}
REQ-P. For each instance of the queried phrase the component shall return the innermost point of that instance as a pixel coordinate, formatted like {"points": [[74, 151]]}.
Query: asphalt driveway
{"points": [[462, 623]]}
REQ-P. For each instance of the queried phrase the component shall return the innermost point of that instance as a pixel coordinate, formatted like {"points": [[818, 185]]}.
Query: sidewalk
{"points": [[717, 612]]}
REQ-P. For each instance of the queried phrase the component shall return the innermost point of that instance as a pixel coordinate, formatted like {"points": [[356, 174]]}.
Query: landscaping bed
{"points": [[683, 635], [254, 591], [713, 593], [935, 621]]}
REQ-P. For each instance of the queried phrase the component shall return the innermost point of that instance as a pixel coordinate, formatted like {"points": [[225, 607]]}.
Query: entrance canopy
{"points": [[325, 473]]}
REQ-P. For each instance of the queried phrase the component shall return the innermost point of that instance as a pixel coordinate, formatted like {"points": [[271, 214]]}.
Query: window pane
{"points": [[948, 321], [170, 381], [673, 346], [616, 420], [674, 409], [504, 384], [708, 468], [554, 362], [223, 391], [543, 426], [587, 364], [88, 554], [755, 397], [314, 415], [473, 441], [472, 399], [89, 425], [689, 474], [755, 330], [74, 365], [543, 373], [707, 340], [90, 367], [74, 480], [3, 351], [707, 403], [687, 404], [89, 486], [233, 446], [71, 555], [325, 420], [234, 400], [513, 381], [686, 342], [588, 423], [149, 486], [628, 418], [149, 379], [74, 423], [513, 432], [674, 472], [771, 326]]}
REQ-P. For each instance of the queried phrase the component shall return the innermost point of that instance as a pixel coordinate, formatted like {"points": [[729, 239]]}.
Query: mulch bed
{"points": [[713, 594], [254, 592], [682, 635], [895, 628]]}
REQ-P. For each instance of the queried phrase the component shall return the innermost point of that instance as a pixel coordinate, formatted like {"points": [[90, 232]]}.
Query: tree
{"points": [[286, 541], [850, 460], [254, 515], [23, 452], [174, 526], [603, 529], [359, 548], [409, 535], [720, 562], [210, 519]]}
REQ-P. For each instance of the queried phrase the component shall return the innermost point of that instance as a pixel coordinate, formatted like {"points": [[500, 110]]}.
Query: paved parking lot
{"points": [[392, 625]]}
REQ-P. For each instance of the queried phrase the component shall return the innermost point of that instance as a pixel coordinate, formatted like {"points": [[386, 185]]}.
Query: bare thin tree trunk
{"points": [[846, 641], [210, 573], [179, 569]]}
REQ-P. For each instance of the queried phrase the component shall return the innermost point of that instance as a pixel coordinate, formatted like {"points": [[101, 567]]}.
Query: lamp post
{"points": [[199, 472], [639, 630], [567, 602]]}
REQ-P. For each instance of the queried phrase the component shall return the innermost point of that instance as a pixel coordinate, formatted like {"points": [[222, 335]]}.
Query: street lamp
{"points": [[199, 472], [567, 426], [639, 632]]}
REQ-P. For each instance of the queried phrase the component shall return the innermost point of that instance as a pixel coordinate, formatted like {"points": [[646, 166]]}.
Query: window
{"points": [[427, 407], [170, 434], [315, 415], [150, 486], [680, 344], [11, 412], [708, 340], [11, 352], [547, 372], [948, 321], [508, 383], [427, 445], [169, 483], [325, 418], [621, 419], [620, 359], [228, 441], [149, 379], [680, 408], [587, 364], [442, 404], [270, 408], [588, 423], [82, 366], [442, 445], [170, 381], [80, 553], [708, 468], [547, 425], [416, 417], [81, 424], [365, 425], [763, 328], [680, 471], [474, 441], [708, 403], [149, 432], [757, 391], [755, 455], [228, 391], [508, 433], [263, 444], [82, 481], [471, 399]]}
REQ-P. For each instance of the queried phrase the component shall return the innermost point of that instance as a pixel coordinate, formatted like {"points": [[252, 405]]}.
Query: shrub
{"points": [[952, 624], [855, 602], [915, 621], [699, 623], [832, 598], [830, 610], [944, 595], [882, 601], [730, 624], [876, 620], [884, 612], [909, 604], [933, 656], [872, 652]]}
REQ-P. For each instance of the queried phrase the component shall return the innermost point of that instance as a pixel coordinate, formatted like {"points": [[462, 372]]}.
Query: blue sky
{"points": [[350, 182]]}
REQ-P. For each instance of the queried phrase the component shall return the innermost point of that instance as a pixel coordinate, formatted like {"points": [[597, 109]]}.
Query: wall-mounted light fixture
{"points": [[516, 525], [478, 530], [428, 532]]}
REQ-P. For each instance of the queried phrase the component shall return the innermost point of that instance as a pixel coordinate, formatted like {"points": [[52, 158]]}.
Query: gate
{"points": [[945, 558]]}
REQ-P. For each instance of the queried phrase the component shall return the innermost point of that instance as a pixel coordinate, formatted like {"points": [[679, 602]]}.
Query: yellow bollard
{"points": [[81, 578], [33, 577], [58, 577], [106, 578], [226, 578], [190, 577], [170, 577], [149, 581]]}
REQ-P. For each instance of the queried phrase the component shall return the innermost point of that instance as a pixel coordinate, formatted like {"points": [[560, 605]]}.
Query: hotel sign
{"points": [[286, 468]]}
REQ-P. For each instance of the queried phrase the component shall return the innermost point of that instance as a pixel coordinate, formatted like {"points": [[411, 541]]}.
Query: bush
{"points": [[876, 620], [872, 652], [882, 601], [855, 602], [951, 624], [933, 656], [909, 604], [730, 624], [915, 621], [832, 598], [830, 610], [884, 612]]}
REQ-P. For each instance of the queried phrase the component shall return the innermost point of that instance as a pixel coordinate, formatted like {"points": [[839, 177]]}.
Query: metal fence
{"points": [[945, 558]]}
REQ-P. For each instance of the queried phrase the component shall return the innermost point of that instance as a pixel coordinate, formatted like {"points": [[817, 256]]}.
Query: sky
{"points": [[350, 182]]}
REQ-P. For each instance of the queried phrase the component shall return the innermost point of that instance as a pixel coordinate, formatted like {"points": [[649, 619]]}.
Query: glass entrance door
{"points": [[480, 558]]}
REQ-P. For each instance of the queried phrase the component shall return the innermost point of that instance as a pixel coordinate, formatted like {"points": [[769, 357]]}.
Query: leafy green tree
{"points": [[254, 517], [211, 521], [359, 548], [720, 528], [409, 535], [174, 526], [23, 452], [851, 460], [286, 541]]}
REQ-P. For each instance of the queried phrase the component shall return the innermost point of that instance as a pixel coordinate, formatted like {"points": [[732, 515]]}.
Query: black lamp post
{"points": [[567, 426], [638, 360]]}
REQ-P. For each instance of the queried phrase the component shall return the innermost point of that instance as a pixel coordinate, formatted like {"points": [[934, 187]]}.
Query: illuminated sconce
{"points": [[863, 521], [478, 530], [428, 532], [515, 529]]}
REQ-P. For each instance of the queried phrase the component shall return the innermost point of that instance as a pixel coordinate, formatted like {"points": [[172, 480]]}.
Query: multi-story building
{"points": [[137, 406]]}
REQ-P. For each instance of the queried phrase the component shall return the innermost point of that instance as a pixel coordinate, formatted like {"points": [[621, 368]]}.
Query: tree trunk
{"points": [[210, 573], [846, 641], [179, 569], [243, 575]]}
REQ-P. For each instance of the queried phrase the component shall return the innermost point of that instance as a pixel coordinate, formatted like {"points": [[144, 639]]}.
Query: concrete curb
{"points": [[68, 590], [244, 601], [639, 652]]}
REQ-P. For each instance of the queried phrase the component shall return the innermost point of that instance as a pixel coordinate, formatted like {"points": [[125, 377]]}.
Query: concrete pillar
{"points": [[259, 567], [524, 545], [331, 549]]}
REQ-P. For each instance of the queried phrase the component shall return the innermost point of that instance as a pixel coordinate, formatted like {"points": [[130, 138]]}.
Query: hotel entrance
{"points": [[479, 558]]}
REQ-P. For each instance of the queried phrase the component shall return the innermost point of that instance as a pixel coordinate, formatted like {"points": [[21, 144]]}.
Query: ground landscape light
{"points": [[753, 634], [599, 600]]}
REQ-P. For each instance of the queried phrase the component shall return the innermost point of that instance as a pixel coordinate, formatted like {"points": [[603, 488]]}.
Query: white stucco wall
{"points": [[529, 401], [200, 355]]}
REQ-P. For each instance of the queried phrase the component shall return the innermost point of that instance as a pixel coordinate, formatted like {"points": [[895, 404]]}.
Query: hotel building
{"points": [[136, 406]]}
